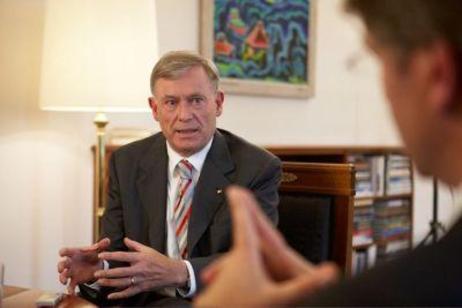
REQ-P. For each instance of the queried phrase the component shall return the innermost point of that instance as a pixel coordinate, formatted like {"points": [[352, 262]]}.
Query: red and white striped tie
{"points": [[182, 205]]}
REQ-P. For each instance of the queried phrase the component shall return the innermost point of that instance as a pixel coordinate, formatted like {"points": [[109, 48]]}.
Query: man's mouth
{"points": [[187, 131]]}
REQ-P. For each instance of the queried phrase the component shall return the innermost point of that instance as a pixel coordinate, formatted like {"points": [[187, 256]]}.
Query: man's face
{"points": [[406, 88], [186, 109]]}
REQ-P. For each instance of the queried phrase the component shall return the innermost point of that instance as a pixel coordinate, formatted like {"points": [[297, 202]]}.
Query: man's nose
{"points": [[184, 111]]}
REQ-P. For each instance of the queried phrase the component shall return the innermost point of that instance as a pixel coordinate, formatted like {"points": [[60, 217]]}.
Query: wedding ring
{"points": [[132, 281]]}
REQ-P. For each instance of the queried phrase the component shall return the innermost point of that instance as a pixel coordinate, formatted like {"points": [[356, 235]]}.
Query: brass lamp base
{"points": [[100, 121]]}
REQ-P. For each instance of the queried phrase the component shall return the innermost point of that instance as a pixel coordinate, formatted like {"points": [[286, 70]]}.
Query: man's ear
{"points": [[442, 76], [219, 100], [154, 107]]}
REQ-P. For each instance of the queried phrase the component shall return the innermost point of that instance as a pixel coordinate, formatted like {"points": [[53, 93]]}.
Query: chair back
{"points": [[316, 210]]}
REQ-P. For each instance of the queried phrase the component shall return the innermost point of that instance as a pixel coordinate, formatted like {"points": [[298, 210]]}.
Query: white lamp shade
{"points": [[98, 55]]}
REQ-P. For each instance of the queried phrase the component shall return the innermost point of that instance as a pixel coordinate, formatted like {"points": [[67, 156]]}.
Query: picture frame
{"points": [[261, 47]]}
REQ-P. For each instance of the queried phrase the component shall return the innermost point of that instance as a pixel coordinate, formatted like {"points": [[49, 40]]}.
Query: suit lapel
{"points": [[208, 194], [152, 189]]}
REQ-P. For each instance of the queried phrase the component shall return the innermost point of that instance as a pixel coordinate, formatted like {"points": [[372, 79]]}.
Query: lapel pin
{"points": [[219, 191]]}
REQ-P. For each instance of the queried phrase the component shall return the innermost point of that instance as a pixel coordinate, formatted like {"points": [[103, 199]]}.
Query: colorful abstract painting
{"points": [[262, 40]]}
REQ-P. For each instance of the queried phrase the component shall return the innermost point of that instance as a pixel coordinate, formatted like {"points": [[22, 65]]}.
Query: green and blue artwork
{"points": [[264, 40]]}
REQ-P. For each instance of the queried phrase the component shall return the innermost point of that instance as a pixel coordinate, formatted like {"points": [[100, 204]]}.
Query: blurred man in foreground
{"points": [[419, 46]]}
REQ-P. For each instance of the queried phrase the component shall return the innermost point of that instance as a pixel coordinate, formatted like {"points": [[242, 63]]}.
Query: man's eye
{"points": [[197, 100], [170, 103]]}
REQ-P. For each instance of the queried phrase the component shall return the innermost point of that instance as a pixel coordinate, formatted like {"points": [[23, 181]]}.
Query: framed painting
{"points": [[261, 47]]}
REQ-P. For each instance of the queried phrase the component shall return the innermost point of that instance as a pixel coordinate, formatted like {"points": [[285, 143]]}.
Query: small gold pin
{"points": [[219, 191]]}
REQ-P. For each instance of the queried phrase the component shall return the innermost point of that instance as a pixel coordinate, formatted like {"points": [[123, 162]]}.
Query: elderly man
{"points": [[167, 217], [419, 46]]}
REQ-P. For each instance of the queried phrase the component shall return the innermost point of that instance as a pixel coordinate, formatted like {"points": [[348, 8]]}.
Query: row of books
{"points": [[363, 259], [392, 219], [378, 175], [367, 257], [369, 174], [398, 175], [386, 223], [392, 227], [362, 226]]}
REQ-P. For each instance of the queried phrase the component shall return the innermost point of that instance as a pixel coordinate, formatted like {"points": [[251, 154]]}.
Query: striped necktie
{"points": [[182, 205]]}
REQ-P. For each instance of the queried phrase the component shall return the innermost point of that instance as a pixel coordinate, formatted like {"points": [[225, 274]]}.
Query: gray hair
{"points": [[173, 64]]}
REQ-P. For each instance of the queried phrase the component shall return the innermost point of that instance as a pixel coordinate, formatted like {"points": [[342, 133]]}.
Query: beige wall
{"points": [[45, 159]]}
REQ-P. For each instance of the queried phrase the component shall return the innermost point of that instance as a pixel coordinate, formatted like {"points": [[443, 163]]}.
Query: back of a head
{"points": [[409, 24], [174, 63]]}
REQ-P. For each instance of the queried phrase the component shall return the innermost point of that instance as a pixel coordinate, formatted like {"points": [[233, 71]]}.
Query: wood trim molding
{"points": [[332, 179]]}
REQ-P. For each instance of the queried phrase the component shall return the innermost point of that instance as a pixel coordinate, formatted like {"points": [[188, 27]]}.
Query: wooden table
{"points": [[22, 297]]}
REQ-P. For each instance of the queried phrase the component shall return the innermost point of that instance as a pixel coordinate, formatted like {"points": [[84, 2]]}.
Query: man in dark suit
{"points": [[419, 46], [166, 216]]}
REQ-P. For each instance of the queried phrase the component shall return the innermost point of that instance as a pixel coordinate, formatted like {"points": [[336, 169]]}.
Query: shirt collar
{"points": [[197, 159]]}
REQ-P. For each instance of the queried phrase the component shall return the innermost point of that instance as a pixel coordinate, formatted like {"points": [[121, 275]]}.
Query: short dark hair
{"points": [[406, 25], [174, 63]]}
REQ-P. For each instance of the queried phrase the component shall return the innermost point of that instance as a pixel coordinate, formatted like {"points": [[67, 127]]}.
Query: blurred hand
{"points": [[148, 270], [261, 269], [79, 264]]}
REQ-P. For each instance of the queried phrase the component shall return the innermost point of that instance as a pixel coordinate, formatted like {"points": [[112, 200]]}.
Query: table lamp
{"points": [[97, 57]]}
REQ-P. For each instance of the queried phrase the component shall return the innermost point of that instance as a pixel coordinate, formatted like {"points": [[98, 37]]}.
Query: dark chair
{"points": [[316, 211]]}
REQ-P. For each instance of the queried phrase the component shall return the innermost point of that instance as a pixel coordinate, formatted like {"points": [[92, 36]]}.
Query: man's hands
{"points": [[79, 264], [148, 270], [261, 269]]}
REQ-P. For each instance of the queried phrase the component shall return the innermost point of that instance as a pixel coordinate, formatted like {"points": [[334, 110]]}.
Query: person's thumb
{"points": [[97, 247], [103, 244]]}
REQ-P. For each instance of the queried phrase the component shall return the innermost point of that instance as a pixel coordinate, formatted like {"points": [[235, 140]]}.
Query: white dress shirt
{"points": [[197, 161]]}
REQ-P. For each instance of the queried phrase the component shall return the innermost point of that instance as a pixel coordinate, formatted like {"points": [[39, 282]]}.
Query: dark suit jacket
{"points": [[138, 194], [428, 276]]}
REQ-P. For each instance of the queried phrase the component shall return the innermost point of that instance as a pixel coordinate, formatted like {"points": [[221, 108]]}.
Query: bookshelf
{"points": [[383, 205]]}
